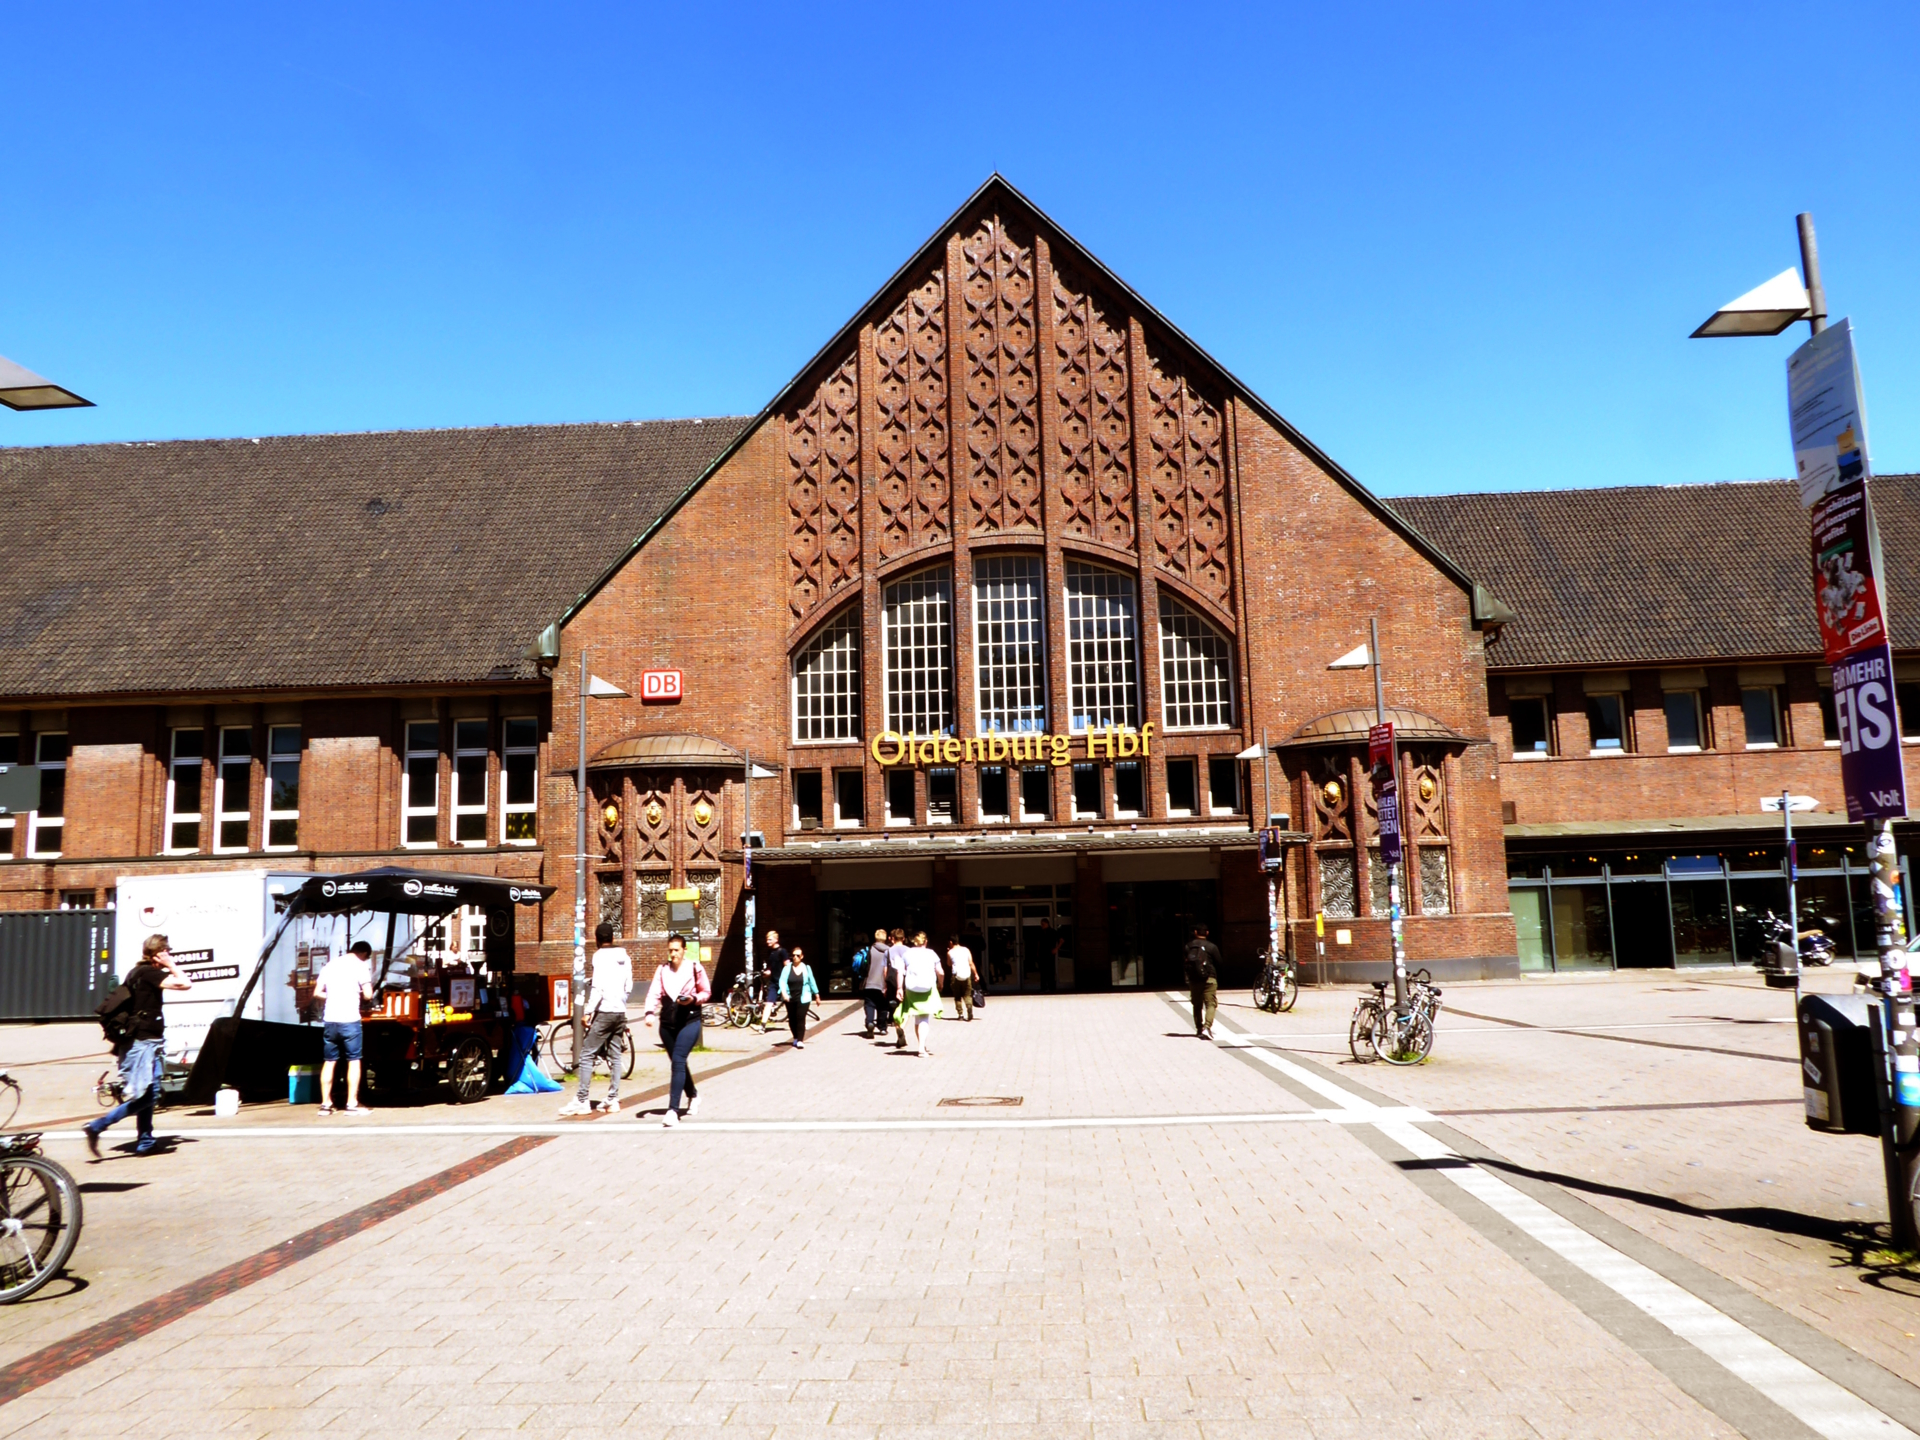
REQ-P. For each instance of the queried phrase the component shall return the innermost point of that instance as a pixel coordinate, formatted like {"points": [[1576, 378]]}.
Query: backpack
{"points": [[116, 1016], [860, 964]]}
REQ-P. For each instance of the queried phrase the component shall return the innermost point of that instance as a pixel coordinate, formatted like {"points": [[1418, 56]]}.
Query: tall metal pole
{"points": [[746, 866], [1793, 894], [1810, 272], [1393, 870], [580, 867], [1273, 895]]}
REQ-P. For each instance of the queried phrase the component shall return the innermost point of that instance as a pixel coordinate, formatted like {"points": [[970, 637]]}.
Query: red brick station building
{"points": [[980, 623]]}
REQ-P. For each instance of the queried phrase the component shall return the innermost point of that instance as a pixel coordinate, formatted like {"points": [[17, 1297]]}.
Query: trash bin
{"points": [[1836, 1064]]}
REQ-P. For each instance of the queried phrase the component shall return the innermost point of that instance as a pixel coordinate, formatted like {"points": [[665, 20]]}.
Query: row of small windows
{"points": [[1100, 609], [1611, 729]]}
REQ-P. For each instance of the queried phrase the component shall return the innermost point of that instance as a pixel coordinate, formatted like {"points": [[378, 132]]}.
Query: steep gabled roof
{"points": [[316, 561], [999, 191], [1660, 574]]}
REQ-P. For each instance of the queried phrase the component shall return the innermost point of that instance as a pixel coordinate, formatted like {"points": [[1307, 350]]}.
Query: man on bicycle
{"points": [[605, 1014]]}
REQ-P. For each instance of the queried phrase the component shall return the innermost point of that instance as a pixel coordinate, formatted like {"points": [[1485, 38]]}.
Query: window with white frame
{"points": [[48, 825], [826, 682], [420, 785], [183, 791], [9, 755], [232, 789], [1103, 684], [283, 787], [916, 645], [519, 779], [1009, 643], [470, 782], [1196, 670], [1760, 706]]}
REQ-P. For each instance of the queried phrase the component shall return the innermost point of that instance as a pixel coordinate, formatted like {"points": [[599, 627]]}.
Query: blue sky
{"points": [[1460, 247]]}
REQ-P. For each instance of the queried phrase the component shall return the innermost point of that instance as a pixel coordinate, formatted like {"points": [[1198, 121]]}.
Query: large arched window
{"points": [[1196, 670], [826, 682], [1009, 642], [916, 645], [1103, 681]]}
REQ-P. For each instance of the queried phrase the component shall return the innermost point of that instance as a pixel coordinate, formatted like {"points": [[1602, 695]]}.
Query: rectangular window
{"points": [[519, 773], [826, 682], [1829, 717], [1761, 706], [1531, 736], [470, 782], [232, 789], [420, 785], [1129, 792], [849, 799], [1380, 884], [76, 899], [899, 797], [1183, 787], [916, 642], [993, 792], [1436, 881], [283, 787], [1036, 793], [1338, 890], [1086, 792], [1223, 785], [809, 807], [9, 755], [943, 796], [1907, 696], [49, 822], [1009, 643], [1102, 687], [183, 791], [1683, 720], [1607, 722]]}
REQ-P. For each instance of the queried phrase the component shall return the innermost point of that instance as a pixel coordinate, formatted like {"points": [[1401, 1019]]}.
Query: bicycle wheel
{"points": [[560, 1046], [1361, 1030], [627, 1051], [1261, 993], [1404, 1040], [1289, 990], [39, 1223], [740, 1006]]}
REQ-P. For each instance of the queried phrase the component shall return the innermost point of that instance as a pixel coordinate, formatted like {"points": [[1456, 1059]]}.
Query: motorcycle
{"points": [[1776, 939]]}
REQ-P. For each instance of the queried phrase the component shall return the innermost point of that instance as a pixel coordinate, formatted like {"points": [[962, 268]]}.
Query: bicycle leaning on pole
{"points": [[1376, 1033], [1278, 986]]}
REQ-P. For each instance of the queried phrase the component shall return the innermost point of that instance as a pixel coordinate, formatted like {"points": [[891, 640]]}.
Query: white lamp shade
{"points": [[1764, 310]]}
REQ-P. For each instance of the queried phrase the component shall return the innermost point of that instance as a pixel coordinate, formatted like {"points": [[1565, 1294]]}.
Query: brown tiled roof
{"points": [[1659, 574], [313, 561]]}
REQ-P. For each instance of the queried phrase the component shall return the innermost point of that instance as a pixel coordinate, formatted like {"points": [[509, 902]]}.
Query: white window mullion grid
{"points": [[232, 782], [184, 813], [826, 683], [420, 786], [47, 826], [1102, 686], [283, 788], [1196, 670], [1009, 648], [520, 780], [470, 782], [9, 755], [916, 639]]}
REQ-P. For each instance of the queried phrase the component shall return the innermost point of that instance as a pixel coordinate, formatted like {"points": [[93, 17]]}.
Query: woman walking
{"points": [[798, 988], [920, 992], [680, 987]]}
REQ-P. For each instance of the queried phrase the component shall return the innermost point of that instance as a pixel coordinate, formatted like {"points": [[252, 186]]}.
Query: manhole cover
{"points": [[982, 1100]]}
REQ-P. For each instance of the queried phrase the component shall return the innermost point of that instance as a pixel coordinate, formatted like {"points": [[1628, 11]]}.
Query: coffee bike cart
{"points": [[445, 1005]]}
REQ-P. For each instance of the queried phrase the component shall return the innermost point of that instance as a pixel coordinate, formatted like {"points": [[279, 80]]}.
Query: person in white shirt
{"points": [[343, 984], [920, 991], [605, 1015], [960, 977]]}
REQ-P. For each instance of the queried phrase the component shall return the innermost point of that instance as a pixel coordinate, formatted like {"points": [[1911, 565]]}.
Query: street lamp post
{"points": [[1369, 654], [21, 389], [591, 687]]}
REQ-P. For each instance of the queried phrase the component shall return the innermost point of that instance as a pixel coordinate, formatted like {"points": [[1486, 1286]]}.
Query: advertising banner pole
{"points": [[1388, 798], [580, 866]]}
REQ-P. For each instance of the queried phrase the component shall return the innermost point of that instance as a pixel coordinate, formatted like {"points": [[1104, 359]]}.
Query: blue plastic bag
{"points": [[532, 1079]]}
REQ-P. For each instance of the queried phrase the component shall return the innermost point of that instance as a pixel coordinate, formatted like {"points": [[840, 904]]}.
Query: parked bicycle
{"points": [[557, 1045], [1278, 986], [40, 1210], [1377, 1033]]}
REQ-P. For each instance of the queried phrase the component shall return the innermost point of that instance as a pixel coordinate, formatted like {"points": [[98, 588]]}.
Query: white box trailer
{"points": [[216, 923]]}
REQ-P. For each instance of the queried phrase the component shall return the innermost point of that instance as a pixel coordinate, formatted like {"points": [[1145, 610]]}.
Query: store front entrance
{"points": [[1028, 930]]}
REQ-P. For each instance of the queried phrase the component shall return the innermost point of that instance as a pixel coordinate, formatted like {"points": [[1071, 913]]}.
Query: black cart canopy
{"points": [[391, 890]]}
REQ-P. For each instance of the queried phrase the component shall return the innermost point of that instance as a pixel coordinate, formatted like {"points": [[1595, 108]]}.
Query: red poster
{"points": [[1845, 590]]}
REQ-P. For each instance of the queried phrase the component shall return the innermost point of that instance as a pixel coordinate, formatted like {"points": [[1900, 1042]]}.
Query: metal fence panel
{"points": [[54, 964]]}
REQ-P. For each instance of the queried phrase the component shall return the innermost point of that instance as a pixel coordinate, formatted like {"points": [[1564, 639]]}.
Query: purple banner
{"points": [[1390, 822], [1871, 766]]}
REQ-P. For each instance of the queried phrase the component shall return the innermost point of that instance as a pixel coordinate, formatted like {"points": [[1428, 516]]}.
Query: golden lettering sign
{"points": [[1021, 747]]}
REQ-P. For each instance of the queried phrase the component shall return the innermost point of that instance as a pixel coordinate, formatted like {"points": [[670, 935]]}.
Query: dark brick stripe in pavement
{"points": [[32, 1371], [1626, 1039], [630, 1102], [1603, 1109]]}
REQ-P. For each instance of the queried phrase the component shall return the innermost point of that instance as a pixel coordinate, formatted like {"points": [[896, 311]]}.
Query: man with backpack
{"points": [[133, 1020], [1202, 959], [870, 974]]}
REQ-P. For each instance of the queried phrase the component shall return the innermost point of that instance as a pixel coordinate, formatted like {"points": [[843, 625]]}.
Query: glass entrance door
{"points": [[1003, 946]]}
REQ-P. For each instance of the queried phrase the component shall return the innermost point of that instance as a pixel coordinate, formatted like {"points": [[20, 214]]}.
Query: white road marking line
{"points": [[648, 1123], [1821, 1404], [1282, 1037]]}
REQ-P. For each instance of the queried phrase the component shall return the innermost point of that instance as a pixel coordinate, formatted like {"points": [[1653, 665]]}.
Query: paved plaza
{"points": [[1597, 1211]]}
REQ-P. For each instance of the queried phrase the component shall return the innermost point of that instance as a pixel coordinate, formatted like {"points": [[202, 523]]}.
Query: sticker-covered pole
{"points": [[1900, 1126], [580, 867], [1394, 923]]}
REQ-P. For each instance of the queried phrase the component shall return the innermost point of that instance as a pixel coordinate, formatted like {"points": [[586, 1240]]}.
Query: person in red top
{"points": [[680, 987]]}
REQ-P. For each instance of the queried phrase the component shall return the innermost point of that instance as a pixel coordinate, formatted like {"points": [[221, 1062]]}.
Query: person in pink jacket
{"points": [[680, 987]]}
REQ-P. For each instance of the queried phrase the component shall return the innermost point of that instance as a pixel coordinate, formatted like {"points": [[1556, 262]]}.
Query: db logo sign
{"points": [[660, 685]]}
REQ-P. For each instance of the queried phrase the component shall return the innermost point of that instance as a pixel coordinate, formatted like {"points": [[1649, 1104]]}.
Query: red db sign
{"points": [[660, 685]]}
